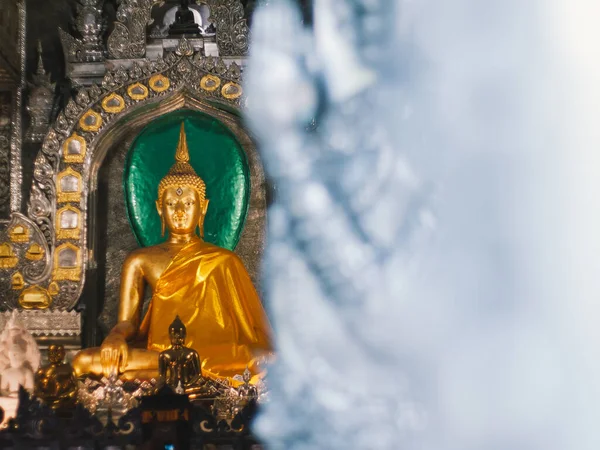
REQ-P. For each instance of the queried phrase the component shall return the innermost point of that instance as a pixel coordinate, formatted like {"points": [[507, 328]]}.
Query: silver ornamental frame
{"points": [[176, 82]]}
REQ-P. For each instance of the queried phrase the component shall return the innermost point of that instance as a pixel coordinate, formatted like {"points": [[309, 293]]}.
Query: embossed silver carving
{"points": [[232, 27], [90, 24], [16, 170], [34, 272], [128, 39], [5, 138], [39, 105], [45, 323]]}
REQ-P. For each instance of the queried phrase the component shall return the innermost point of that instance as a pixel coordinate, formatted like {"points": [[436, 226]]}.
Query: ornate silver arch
{"points": [[97, 117]]}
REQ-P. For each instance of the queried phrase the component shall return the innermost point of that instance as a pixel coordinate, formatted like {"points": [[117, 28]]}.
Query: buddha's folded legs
{"points": [[141, 364]]}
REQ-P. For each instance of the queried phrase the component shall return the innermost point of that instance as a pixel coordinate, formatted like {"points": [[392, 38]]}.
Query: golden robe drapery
{"points": [[210, 290]]}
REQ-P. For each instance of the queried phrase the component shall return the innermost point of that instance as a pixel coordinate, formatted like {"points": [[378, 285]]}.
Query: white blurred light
{"points": [[434, 261]]}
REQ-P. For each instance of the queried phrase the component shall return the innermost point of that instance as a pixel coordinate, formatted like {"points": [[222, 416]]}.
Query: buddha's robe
{"points": [[210, 290]]}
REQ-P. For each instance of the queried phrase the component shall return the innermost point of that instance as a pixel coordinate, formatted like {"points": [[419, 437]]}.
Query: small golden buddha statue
{"points": [[205, 285], [56, 382], [179, 366]]}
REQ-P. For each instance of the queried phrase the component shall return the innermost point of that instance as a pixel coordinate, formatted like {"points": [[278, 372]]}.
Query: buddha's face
{"points": [[177, 336], [56, 354], [182, 209]]}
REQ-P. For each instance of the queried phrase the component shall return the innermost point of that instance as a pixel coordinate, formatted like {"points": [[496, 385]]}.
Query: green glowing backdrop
{"points": [[216, 156]]}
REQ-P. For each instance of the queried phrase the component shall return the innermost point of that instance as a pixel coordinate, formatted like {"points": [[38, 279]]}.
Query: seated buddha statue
{"points": [[179, 366], [184, 21], [207, 286], [56, 383]]}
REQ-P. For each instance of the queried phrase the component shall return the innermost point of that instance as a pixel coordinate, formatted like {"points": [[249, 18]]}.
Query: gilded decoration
{"points": [[159, 83], [231, 91], [67, 263], [35, 297], [19, 233], [8, 260], [90, 121], [53, 288], [113, 103], [74, 149], [210, 83], [137, 91], [17, 281], [35, 252], [83, 112], [68, 186], [68, 223]]}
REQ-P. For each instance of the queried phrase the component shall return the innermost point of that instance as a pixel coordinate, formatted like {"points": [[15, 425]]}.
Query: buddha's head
{"points": [[247, 375], [56, 354], [177, 332], [182, 201]]}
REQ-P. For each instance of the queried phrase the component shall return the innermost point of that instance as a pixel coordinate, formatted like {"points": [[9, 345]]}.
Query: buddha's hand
{"points": [[113, 354]]}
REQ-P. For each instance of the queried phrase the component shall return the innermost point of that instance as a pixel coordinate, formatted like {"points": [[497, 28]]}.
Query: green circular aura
{"points": [[217, 157]]}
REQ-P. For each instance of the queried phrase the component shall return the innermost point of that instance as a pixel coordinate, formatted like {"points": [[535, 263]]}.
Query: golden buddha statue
{"points": [[56, 383], [205, 285], [179, 366]]}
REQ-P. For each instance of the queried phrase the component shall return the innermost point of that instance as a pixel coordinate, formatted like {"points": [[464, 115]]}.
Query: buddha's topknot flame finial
{"points": [[182, 173], [182, 154]]}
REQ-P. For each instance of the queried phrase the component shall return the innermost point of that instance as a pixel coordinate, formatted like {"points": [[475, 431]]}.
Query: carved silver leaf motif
{"points": [[47, 323], [128, 39], [232, 27], [16, 170], [5, 134], [90, 24]]}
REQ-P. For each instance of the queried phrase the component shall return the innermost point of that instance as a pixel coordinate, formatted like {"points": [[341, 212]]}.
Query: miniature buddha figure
{"points": [[205, 285], [184, 20], [179, 366], [56, 383], [247, 390]]}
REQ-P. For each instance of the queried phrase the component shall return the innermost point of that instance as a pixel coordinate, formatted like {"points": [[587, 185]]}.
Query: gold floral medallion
{"points": [[35, 297], [159, 83], [19, 234], [74, 148], [17, 281], [231, 90], [90, 121], [68, 223], [8, 260], [35, 252], [67, 263], [210, 83], [113, 103], [137, 91], [68, 186]]}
